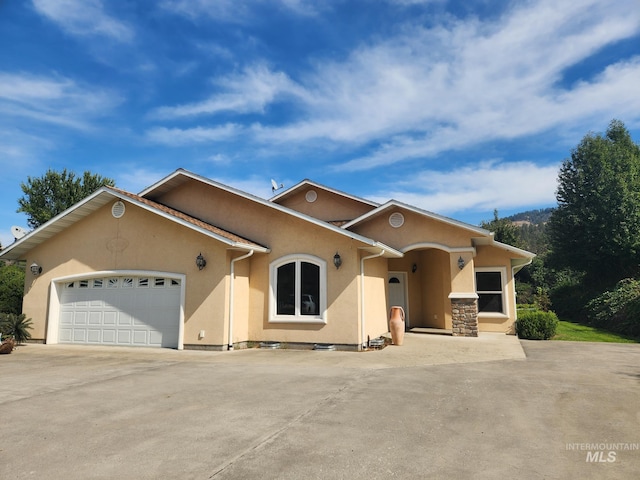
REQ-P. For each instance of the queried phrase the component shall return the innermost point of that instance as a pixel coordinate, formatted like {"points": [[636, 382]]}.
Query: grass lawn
{"points": [[576, 332]]}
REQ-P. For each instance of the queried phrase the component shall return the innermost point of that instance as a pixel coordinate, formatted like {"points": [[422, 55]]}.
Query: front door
{"points": [[398, 292]]}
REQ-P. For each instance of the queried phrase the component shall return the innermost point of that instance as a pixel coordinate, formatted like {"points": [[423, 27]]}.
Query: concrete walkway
{"points": [[437, 407]]}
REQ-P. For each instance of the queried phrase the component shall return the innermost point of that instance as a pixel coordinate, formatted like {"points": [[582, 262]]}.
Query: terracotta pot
{"points": [[396, 325]]}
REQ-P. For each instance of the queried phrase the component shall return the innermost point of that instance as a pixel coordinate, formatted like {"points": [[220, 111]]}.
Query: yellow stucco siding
{"points": [[328, 206], [342, 293], [139, 241], [416, 229]]}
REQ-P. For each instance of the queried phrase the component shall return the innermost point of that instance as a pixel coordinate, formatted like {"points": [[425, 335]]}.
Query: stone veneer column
{"points": [[464, 316]]}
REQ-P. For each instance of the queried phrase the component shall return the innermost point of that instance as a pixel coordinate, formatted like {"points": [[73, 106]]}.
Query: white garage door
{"points": [[135, 311]]}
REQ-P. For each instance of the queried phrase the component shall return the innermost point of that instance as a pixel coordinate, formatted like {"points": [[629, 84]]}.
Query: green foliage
{"points": [[47, 196], [504, 230], [11, 288], [16, 326], [536, 325], [574, 332], [617, 310], [596, 227]]}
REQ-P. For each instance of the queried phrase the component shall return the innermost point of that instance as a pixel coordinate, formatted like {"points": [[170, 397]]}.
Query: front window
{"points": [[298, 289], [490, 290]]}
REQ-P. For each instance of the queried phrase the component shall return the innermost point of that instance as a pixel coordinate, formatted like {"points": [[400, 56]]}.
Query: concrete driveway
{"points": [[437, 407]]}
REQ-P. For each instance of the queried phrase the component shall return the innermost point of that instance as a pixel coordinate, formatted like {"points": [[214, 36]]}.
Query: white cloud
{"points": [[179, 136], [428, 90], [237, 11], [249, 91], [84, 18], [53, 100], [483, 187]]}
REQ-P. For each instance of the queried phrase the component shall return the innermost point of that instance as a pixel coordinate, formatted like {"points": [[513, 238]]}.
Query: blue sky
{"points": [[456, 107]]}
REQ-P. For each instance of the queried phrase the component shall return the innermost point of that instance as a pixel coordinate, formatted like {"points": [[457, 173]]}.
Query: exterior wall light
{"points": [[414, 268], [200, 261], [337, 261], [461, 263], [36, 269]]}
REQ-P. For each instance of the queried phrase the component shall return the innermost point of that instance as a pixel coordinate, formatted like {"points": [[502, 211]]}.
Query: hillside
{"points": [[531, 217]]}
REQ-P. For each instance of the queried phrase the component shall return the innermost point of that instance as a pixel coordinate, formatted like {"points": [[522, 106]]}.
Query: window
{"points": [[298, 286], [490, 290]]}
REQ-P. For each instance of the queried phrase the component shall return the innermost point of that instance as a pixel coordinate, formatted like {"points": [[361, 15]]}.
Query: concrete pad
{"points": [[442, 407]]}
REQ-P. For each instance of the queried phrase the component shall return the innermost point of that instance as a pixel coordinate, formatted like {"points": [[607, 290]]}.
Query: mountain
{"points": [[531, 217]]}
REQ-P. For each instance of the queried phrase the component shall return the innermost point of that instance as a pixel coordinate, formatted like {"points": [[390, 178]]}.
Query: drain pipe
{"points": [[231, 296], [362, 293]]}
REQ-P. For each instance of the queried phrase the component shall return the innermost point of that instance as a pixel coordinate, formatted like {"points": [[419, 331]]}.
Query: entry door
{"points": [[398, 292]]}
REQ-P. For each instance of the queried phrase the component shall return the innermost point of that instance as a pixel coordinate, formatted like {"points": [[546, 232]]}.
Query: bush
{"points": [[15, 326], [617, 310], [536, 325], [11, 288]]}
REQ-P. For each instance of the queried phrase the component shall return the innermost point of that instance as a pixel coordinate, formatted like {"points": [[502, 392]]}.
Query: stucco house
{"points": [[192, 263]]}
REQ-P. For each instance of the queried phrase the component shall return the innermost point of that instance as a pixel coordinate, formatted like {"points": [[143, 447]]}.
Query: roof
{"points": [[396, 204], [308, 183], [104, 195], [181, 176]]}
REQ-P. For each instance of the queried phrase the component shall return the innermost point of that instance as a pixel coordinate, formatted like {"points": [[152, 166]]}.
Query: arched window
{"points": [[298, 289]]}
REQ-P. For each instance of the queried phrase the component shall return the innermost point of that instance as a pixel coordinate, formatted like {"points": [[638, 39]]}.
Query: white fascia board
{"points": [[264, 202], [307, 182], [94, 201], [394, 203], [57, 224], [187, 224]]}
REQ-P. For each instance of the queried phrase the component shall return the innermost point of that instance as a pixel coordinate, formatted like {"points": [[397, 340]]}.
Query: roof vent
{"points": [[311, 196], [396, 220], [118, 209]]}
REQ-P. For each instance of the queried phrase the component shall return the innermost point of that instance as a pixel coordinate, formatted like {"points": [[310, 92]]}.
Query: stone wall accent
{"points": [[464, 317]]}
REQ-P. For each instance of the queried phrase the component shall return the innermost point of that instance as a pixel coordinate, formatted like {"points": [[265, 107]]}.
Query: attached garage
{"points": [[130, 310]]}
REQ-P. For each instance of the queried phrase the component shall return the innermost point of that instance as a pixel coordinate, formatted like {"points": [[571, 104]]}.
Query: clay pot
{"points": [[396, 325]]}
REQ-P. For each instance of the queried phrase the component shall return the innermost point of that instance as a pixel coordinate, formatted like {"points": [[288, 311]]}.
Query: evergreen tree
{"points": [[596, 227]]}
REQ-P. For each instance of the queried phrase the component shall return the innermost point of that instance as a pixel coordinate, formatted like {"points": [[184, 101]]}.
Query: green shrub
{"points": [[617, 310], [536, 325], [16, 326]]}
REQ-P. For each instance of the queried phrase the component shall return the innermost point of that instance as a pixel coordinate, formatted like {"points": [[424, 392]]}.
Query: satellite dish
{"points": [[274, 186], [18, 232]]}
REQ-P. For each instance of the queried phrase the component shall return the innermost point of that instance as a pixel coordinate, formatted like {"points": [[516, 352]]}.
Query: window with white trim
{"points": [[298, 289], [490, 289]]}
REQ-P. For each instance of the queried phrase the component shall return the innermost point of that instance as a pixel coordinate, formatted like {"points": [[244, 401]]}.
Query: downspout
{"points": [[362, 293], [513, 278], [231, 296]]}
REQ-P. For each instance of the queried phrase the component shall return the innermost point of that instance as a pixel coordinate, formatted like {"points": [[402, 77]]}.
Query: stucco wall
{"points": [[416, 229], [140, 241], [328, 206]]}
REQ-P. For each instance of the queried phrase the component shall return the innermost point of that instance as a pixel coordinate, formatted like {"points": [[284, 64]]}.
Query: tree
{"points": [[47, 196], [11, 288], [505, 231], [596, 227]]}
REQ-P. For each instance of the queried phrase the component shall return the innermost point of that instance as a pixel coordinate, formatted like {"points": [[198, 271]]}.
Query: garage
{"points": [[121, 310]]}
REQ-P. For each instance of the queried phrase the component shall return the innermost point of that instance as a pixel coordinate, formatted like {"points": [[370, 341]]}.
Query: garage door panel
{"points": [[124, 337], [133, 311], [108, 336], [79, 335], [94, 336], [80, 318], [95, 318]]}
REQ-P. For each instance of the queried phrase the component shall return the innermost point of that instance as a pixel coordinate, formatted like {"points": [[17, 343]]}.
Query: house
{"points": [[192, 263]]}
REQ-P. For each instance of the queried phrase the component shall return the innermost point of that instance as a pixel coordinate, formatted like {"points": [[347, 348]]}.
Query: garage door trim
{"points": [[57, 286]]}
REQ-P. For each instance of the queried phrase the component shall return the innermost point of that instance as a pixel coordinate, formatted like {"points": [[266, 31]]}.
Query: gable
{"points": [[264, 221], [402, 228], [324, 203]]}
